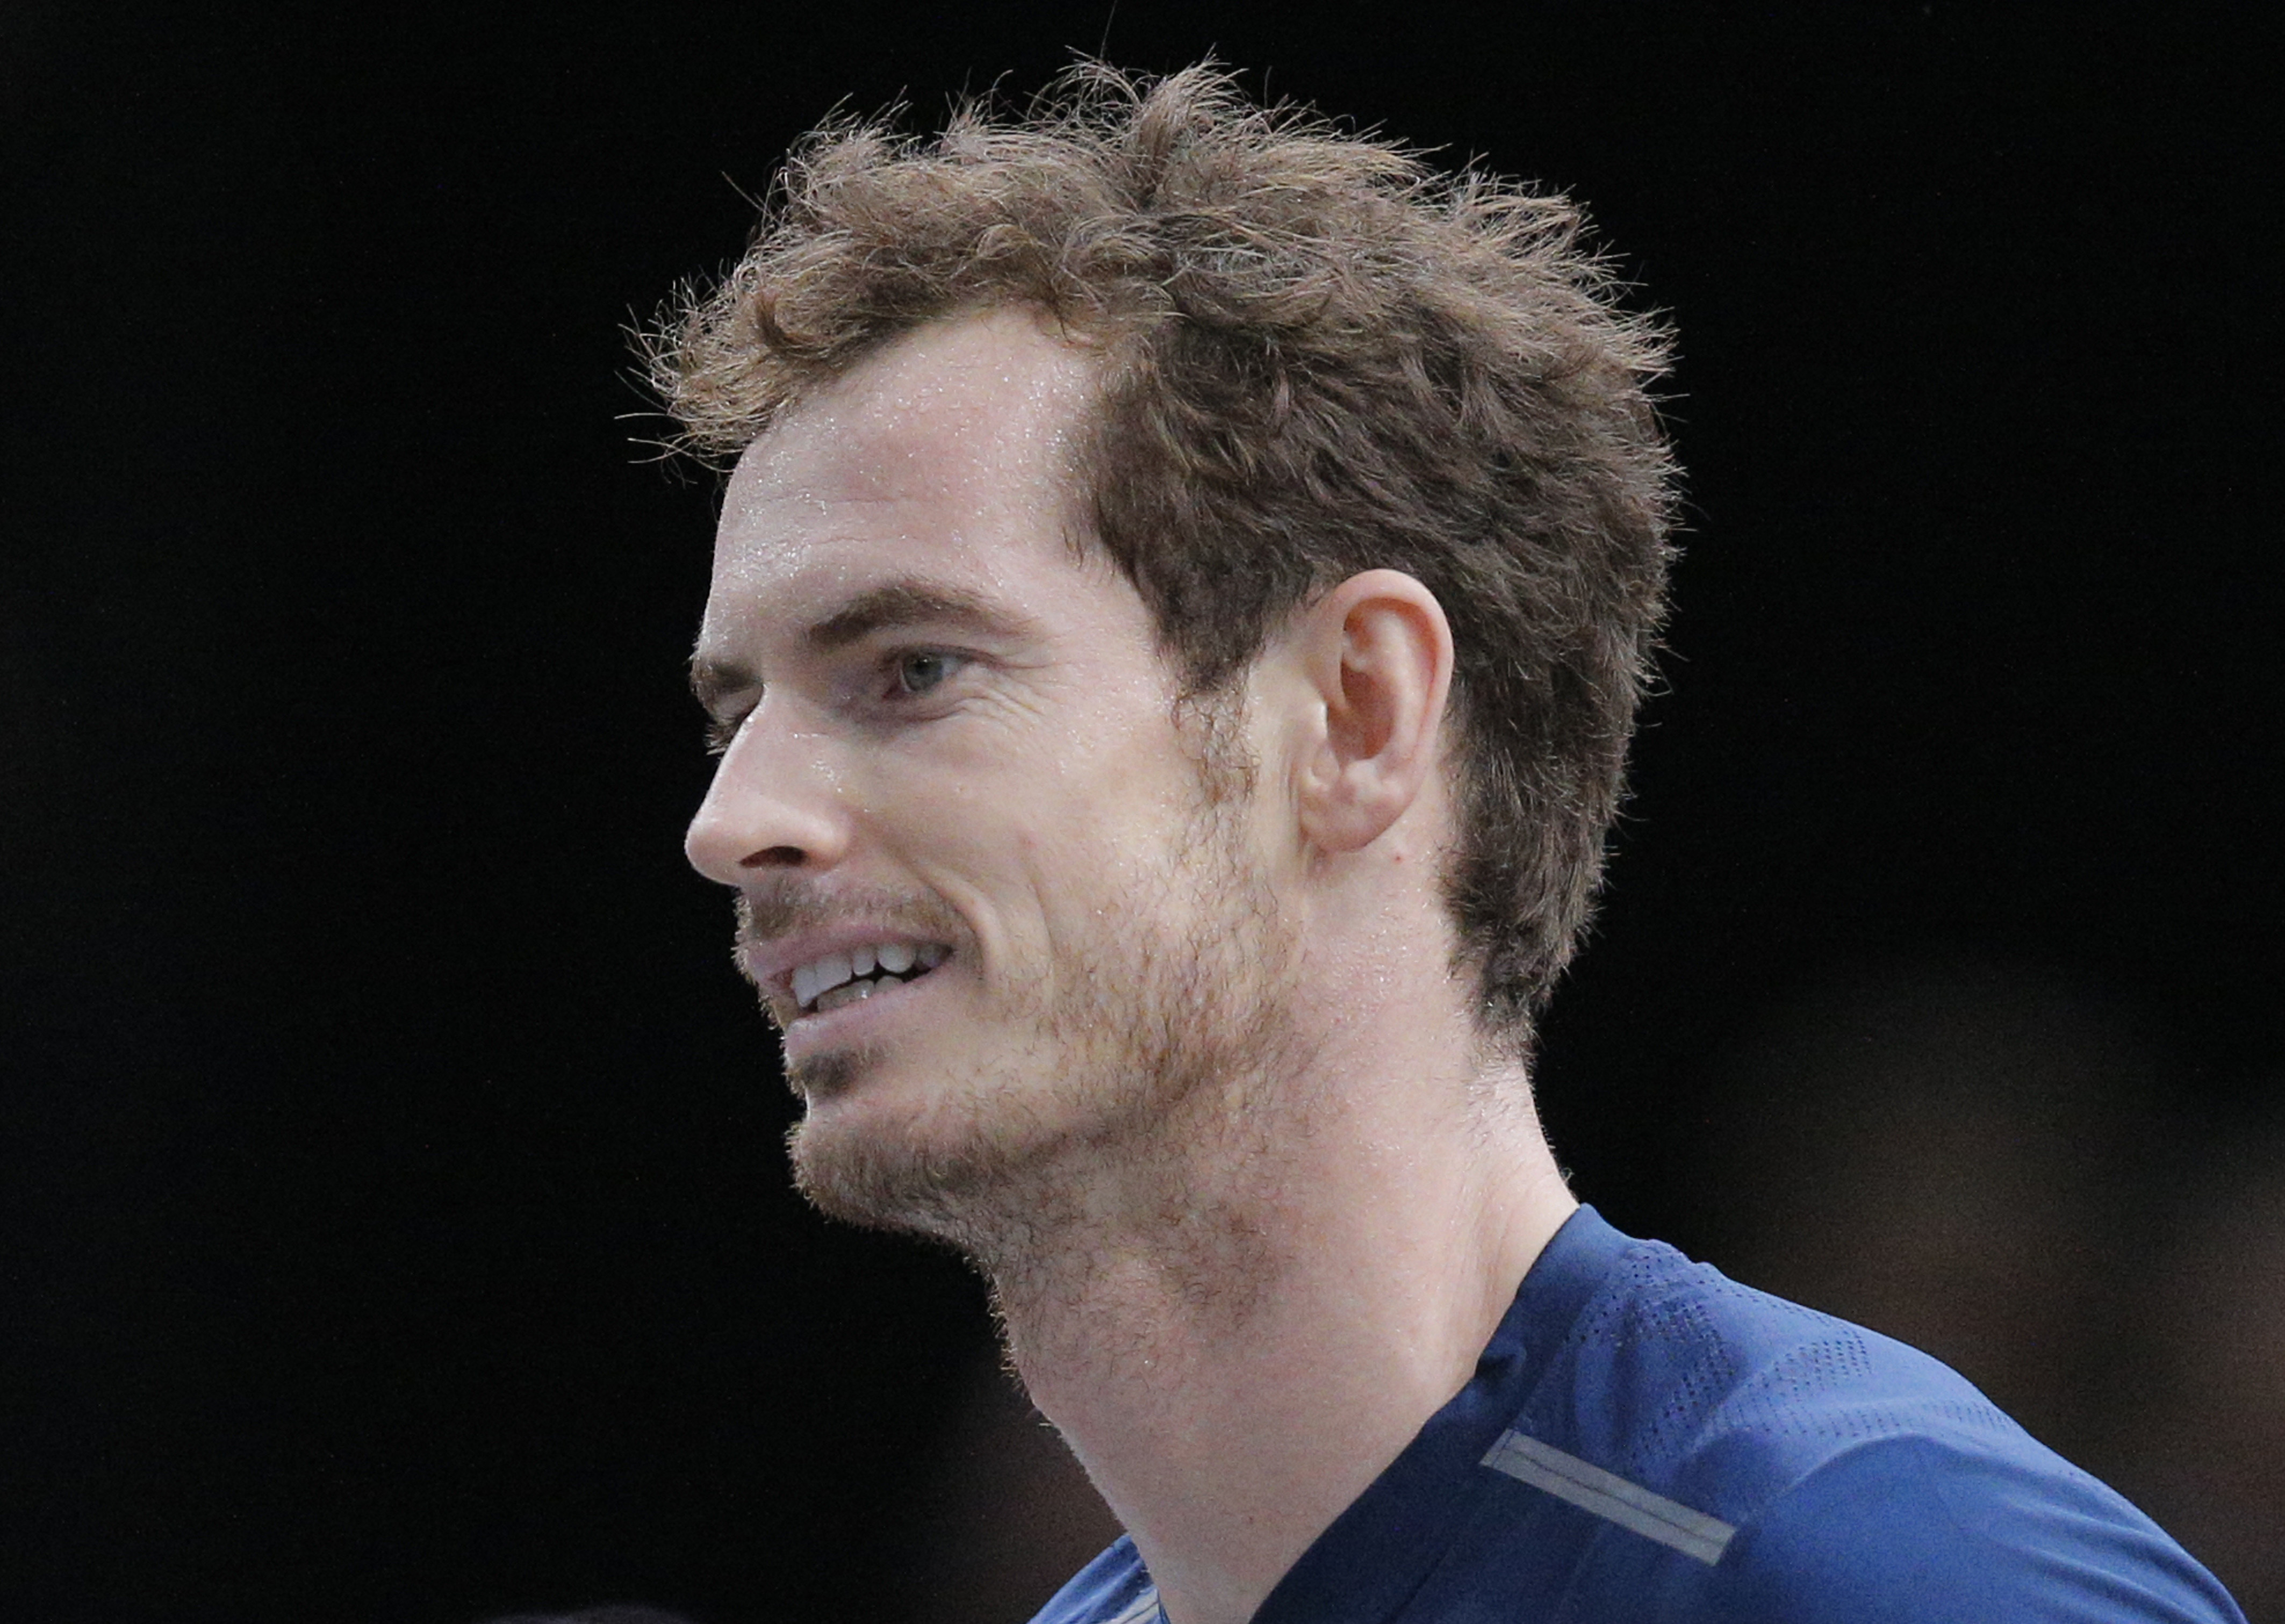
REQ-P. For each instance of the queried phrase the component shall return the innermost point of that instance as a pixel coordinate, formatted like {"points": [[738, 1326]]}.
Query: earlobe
{"points": [[1377, 652]]}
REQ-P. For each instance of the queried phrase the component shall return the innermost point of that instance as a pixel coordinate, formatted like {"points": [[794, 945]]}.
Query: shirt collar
{"points": [[1375, 1554]]}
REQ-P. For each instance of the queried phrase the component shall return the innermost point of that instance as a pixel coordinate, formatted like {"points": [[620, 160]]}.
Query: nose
{"points": [[773, 806]]}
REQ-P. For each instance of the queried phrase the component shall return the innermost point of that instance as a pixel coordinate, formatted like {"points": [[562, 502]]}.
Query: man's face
{"points": [[951, 755]]}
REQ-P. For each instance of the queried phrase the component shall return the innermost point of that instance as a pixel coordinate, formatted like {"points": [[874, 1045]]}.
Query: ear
{"points": [[1375, 657]]}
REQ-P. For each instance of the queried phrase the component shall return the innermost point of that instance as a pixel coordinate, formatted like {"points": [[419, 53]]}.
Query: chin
{"points": [[949, 1165]]}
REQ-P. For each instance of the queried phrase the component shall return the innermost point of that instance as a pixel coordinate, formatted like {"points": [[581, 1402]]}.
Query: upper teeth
{"points": [[823, 975]]}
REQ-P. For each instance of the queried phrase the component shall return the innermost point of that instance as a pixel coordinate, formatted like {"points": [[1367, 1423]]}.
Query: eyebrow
{"points": [[912, 603], [909, 602]]}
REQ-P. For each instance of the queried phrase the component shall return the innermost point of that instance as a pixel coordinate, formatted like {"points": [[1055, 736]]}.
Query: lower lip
{"points": [[858, 1020]]}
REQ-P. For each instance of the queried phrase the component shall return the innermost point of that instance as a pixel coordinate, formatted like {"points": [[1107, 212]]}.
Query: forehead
{"points": [[948, 447]]}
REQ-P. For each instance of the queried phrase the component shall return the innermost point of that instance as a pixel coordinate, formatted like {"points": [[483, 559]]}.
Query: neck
{"points": [[1238, 1336]]}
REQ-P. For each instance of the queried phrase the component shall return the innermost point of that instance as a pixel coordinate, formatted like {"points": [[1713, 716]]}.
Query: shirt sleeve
{"points": [[1915, 1531]]}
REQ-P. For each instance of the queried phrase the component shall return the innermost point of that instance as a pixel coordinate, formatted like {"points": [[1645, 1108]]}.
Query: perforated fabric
{"points": [[1646, 1440]]}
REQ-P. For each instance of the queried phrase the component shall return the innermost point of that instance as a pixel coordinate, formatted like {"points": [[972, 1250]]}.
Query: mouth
{"points": [[838, 979]]}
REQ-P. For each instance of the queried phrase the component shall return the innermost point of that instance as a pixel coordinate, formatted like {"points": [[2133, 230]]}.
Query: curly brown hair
{"points": [[1319, 356]]}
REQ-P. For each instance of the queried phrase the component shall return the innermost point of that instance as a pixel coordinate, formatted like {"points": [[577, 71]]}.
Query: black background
{"points": [[395, 1227]]}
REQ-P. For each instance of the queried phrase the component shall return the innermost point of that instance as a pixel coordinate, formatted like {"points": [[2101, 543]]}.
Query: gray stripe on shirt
{"points": [[1610, 1497]]}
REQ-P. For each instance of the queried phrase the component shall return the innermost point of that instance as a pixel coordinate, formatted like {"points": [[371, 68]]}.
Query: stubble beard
{"points": [[1154, 1054]]}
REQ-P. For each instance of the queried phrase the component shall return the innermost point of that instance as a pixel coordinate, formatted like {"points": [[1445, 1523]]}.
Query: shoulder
{"points": [[1837, 1474], [1924, 1528], [1729, 1395]]}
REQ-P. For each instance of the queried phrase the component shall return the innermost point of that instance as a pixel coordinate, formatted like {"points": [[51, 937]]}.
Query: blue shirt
{"points": [[1646, 1440]]}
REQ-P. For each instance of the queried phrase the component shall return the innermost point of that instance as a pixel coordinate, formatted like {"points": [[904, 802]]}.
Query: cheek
{"points": [[1041, 842], [1101, 852], [1059, 851]]}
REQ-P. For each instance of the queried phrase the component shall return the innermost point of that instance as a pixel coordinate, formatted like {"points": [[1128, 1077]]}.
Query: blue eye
{"points": [[918, 673]]}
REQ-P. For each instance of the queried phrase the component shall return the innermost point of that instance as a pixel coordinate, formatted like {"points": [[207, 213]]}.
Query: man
{"points": [[1177, 620]]}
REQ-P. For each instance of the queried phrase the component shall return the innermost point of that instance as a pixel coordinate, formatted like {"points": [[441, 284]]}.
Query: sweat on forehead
{"points": [[950, 409], [942, 460]]}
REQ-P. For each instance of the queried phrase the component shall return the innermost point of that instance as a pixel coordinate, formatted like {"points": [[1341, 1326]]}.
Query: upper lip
{"points": [[772, 963]]}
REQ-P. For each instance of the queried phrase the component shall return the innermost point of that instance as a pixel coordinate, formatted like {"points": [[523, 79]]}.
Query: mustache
{"points": [[767, 912]]}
